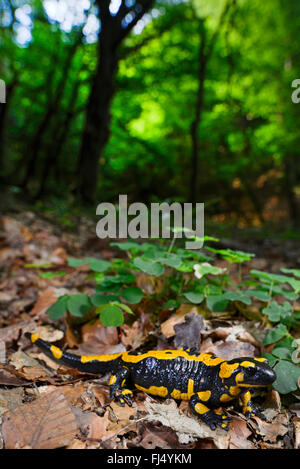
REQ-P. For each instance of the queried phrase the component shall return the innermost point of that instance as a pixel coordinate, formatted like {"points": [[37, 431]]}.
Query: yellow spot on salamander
{"points": [[201, 408], [226, 398], [185, 396], [234, 390], [239, 378], [260, 359], [246, 398], [33, 338], [205, 358], [99, 358], [126, 391], [112, 380], [56, 352], [154, 390], [226, 369], [246, 363], [204, 395], [176, 394]]}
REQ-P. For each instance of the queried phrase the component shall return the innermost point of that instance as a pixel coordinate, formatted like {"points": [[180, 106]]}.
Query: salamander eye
{"points": [[251, 370]]}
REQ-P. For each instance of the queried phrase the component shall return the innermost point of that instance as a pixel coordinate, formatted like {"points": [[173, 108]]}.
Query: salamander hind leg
{"points": [[212, 418]]}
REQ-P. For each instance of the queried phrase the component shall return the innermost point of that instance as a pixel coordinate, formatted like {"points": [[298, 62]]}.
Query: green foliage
{"points": [[154, 106]]}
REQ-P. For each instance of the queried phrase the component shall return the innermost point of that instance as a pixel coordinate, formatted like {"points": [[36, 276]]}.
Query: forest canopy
{"points": [[188, 100]]}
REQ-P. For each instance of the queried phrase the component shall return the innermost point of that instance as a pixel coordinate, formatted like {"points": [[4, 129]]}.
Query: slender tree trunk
{"points": [[202, 62], [38, 138], [205, 52], [60, 135], [3, 116], [290, 181], [114, 29], [96, 130]]}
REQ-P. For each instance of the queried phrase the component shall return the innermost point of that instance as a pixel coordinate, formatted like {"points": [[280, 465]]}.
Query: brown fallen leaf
{"points": [[271, 404], [10, 398], [93, 427], [271, 431], [9, 377], [296, 424], [188, 429], [188, 333], [47, 298], [13, 332], [16, 233], [167, 327], [46, 423], [48, 333], [2, 352], [235, 332], [238, 435], [98, 339], [28, 367], [227, 349], [132, 336], [158, 437], [121, 418]]}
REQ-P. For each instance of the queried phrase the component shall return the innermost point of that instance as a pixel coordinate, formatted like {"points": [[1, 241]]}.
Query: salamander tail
{"points": [[89, 364]]}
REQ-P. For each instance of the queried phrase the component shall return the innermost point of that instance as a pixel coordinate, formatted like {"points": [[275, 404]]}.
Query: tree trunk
{"points": [[97, 124], [290, 181], [3, 115], [96, 130], [202, 61], [38, 138]]}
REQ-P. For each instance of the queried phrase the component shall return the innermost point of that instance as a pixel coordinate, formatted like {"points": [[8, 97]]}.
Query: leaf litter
{"points": [[51, 406]]}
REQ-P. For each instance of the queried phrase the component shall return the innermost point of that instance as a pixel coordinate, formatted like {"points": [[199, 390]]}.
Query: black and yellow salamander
{"points": [[207, 382]]}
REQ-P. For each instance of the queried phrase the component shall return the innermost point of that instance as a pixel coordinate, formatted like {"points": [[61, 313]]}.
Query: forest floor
{"points": [[72, 407]]}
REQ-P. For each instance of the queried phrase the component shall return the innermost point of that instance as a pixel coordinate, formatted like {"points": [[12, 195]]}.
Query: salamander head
{"points": [[247, 372]]}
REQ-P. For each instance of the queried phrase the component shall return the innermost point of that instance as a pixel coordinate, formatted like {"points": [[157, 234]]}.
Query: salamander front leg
{"points": [[116, 386], [212, 418], [248, 407]]}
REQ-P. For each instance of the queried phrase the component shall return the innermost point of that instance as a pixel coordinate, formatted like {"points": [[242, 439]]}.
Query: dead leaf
{"points": [[132, 336], [46, 423], [125, 416], [238, 435], [8, 378], [48, 333], [187, 428], [271, 431], [158, 437], [93, 427], [167, 327], [2, 352], [295, 407], [188, 333], [296, 424], [28, 367], [272, 404], [10, 398], [98, 339], [234, 333], [47, 298], [16, 233], [10, 333], [227, 349]]}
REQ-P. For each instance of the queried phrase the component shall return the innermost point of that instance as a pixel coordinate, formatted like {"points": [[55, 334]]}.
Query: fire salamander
{"points": [[207, 382]]}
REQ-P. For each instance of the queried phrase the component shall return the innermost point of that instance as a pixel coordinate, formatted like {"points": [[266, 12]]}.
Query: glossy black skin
{"points": [[209, 389]]}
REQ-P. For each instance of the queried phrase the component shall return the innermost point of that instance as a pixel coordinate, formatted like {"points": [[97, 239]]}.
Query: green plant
{"points": [[191, 277]]}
